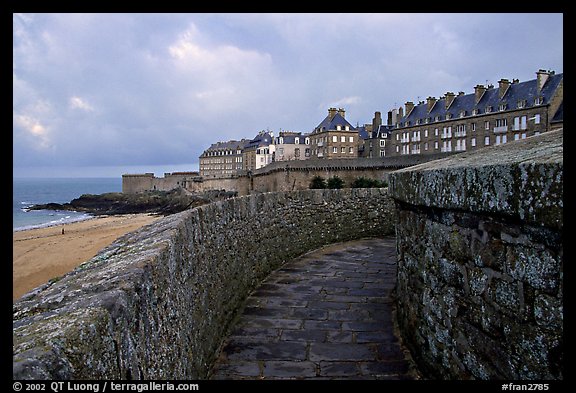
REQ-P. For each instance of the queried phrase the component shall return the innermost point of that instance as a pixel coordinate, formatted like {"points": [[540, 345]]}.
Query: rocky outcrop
{"points": [[162, 202]]}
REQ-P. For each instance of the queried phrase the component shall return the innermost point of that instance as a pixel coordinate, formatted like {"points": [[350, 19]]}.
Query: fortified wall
{"points": [[480, 261], [277, 176], [157, 303]]}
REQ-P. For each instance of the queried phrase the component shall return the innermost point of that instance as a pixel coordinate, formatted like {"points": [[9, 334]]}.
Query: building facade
{"points": [[259, 152], [223, 159], [334, 137], [490, 116], [374, 139], [292, 146]]}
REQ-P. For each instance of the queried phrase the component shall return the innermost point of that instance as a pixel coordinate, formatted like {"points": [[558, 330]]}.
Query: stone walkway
{"points": [[326, 315]]}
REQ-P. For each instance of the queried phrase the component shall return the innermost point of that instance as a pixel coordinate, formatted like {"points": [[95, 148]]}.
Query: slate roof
{"points": [[331, 123], [382, 129], [516, 91], [262, 139], [559, 115], [290, 139], [228, 145]]}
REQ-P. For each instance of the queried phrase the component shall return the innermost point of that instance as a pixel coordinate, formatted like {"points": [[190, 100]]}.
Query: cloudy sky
{"points": [[106, 94]]}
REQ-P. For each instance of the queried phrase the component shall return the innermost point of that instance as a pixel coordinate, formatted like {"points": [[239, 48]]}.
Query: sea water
{"points": [[30, 191]]}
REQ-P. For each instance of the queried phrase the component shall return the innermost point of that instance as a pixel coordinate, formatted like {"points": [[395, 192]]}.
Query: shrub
{"points": [[317, 182], [335, 182], [362, 182]]}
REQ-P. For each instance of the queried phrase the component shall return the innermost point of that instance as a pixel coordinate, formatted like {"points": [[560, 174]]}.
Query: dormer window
{"points": [[474, 112], [281, 140], [521, 104], [538, 100], [437, 118], [427, 120], [488, 109], [462, 113], [418, 121], [448, 116], [346, 128], [408, 123], [502, 107], [338, 127], [297, 140]]}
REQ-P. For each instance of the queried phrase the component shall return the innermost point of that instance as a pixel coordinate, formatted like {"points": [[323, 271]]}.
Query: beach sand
{"points": [[46, 253]]}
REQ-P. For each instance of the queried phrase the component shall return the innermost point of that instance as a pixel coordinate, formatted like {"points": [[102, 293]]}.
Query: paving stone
{"points": [[327, 315], [340, 352], [297, 370], [339, 369]]}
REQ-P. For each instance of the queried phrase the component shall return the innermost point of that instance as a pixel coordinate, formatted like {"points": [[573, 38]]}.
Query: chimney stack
{"points": [[376, 121], [342, 112], [479, 92], [409, 107], [400, 112], [449, 99], [332, 112], [430, 101], [503, 87], [392, 117], [541, 78]]}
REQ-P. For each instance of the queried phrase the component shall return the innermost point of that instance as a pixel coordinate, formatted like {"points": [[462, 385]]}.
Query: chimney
{"points": [[503, 87], [479, 92], [409, 107], [342, 112], [430, 101], [460, 93], [449, 99], [392, 117], [541, 77], [376, 121], [332, 112], [400, 112]]}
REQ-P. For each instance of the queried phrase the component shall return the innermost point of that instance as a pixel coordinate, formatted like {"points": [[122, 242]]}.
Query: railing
{"points": [[500, 129]]}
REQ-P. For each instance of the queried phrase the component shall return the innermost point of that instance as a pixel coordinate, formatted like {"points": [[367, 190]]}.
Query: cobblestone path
{"points": [[326, 315]]}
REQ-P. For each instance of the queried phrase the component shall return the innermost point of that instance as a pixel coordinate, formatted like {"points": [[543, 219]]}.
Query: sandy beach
{"points": [[46, 253]]}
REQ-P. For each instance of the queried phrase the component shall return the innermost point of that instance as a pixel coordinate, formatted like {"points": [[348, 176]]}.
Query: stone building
{"points": [[223, 159], [259, 152], [292, 146], [334, 137], [489, 116], [374, 138]]}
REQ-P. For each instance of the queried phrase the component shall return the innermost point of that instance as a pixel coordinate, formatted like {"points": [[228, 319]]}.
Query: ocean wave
{"points": [[61, 221]]}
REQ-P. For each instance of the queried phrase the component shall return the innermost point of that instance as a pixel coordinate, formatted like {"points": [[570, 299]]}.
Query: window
{"points": [[307, 141], [436, 118], [436, 145], [351, 150], [338, 127], [281, 151], [462, 113], [501, 122], [347, 128], [538, 100], [334, 138], [435, 131], [334, 149], [537, 119], [297, 141], [486, 141], [397, 149], [474, 112], [502, 107], [521, 104], [397, 137], [351, 139], [486, 125], [281, 140], [448, 116], [473, 142], [425, 133], [523, 123], [343, 139], [296, 152], [343, 150], [382, 143], [488, 109], [516, 126], [307, 152], [425, 145], [516, 137], [473, 126], [383, 153]]}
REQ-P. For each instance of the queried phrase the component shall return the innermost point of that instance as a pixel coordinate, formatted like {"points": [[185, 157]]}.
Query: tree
{"points": [[335, 182], [317, 182]]}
